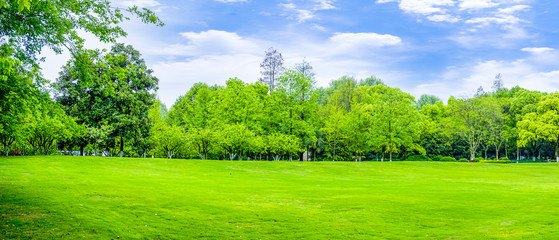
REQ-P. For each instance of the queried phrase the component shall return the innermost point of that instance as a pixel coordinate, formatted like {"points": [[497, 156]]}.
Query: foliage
{"points": [[462, 160], [30, 25], [115, 89], [447, 159], [418, 158]]}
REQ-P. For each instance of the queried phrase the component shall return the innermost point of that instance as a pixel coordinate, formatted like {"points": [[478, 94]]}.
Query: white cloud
{"points": [[141, 3], [537, 50], [324, 5], [307, 11], [211, 42], [513, 9], [477, 4], [443, 18], [530, 73], [359, 40], [425, 7]]}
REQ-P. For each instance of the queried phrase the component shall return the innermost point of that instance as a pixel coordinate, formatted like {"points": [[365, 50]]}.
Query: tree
{"points": [[498, 83], [202, 140], [297, 90], [18, 92], [334, 118], [305, 68], [394, 119], [426, 100], [272, 68], [543, 124], [169, 139], [115, 88], [469, 118], [29, 25]]}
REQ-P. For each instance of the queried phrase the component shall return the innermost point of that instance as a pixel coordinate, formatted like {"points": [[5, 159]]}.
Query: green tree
{"points": [[30, 25], [115, 88], [300, 101], [394, 119], [426, 100]]}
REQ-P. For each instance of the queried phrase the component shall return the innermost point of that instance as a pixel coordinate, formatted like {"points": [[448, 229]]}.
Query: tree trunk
{"points": [[391, 153], [121, 146], [81, 150]]}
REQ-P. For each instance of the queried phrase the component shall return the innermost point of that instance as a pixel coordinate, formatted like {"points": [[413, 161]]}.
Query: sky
{"points": [[439, 47]]}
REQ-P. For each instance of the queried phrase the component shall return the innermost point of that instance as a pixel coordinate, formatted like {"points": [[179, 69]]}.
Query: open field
{"points": [[103, 198]]}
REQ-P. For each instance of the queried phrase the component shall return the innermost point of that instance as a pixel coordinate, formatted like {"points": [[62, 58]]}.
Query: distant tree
{"points": [[426, 100], [371, 81], [480, 92], [305, 68], [498, 83], [272, 68]]}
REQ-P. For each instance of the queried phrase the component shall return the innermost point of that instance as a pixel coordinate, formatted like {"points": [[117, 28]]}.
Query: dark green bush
{"points": [[447, 159], [417, 158], [478, 159], [436, 158], [462, 160], [504, 158]]}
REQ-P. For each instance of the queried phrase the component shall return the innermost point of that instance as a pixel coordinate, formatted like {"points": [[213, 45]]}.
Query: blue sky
{"points": [[439, 47]]}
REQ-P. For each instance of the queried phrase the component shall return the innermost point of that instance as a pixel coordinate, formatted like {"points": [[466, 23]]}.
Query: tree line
{"points": [[104, 103]]}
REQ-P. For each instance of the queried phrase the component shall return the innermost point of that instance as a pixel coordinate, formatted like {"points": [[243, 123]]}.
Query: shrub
{"points": [[463, 160], [447, 159], [494, 161], [417, 158], [436, 158], [504, 158], [478, 159]]}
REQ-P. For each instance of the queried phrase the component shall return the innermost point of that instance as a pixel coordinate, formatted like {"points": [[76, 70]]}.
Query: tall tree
{"points": [[297, 90], [272, 68], [394, 119], [115, 88]]}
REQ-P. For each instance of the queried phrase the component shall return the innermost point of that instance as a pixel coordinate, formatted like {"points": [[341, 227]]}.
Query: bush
{"points": [[447, 159], [494, 161], [436, 158], [504, 158], [463, 160], [417, 158], [478, 159]]}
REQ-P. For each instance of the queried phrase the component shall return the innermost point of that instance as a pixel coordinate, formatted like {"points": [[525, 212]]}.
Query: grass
{"points": [[111, 198]]}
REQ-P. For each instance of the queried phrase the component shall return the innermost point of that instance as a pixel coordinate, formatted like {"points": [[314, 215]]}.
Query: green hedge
{"points": [[504, 158], [463, 160], [418, 158], [495, 161], [478, 159], [448, 159], [436, 158]]}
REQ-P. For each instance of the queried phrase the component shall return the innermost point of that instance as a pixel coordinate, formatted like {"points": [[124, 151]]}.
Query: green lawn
{"points": [[103, 198]]}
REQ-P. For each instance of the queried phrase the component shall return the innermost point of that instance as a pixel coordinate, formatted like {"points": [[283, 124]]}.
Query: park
{"points": [[230, 135]]}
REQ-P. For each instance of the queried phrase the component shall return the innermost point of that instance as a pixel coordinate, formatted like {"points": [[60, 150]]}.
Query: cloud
{"points": [[141, 3], [536, 71], [424, 7], [461, 9], [211, 42], [305, 11], [537, 50], [359, 40], [444, 18], [476, 4]]}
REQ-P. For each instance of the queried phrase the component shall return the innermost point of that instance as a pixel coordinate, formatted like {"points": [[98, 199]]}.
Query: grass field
{"points": [[112, 198]]}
